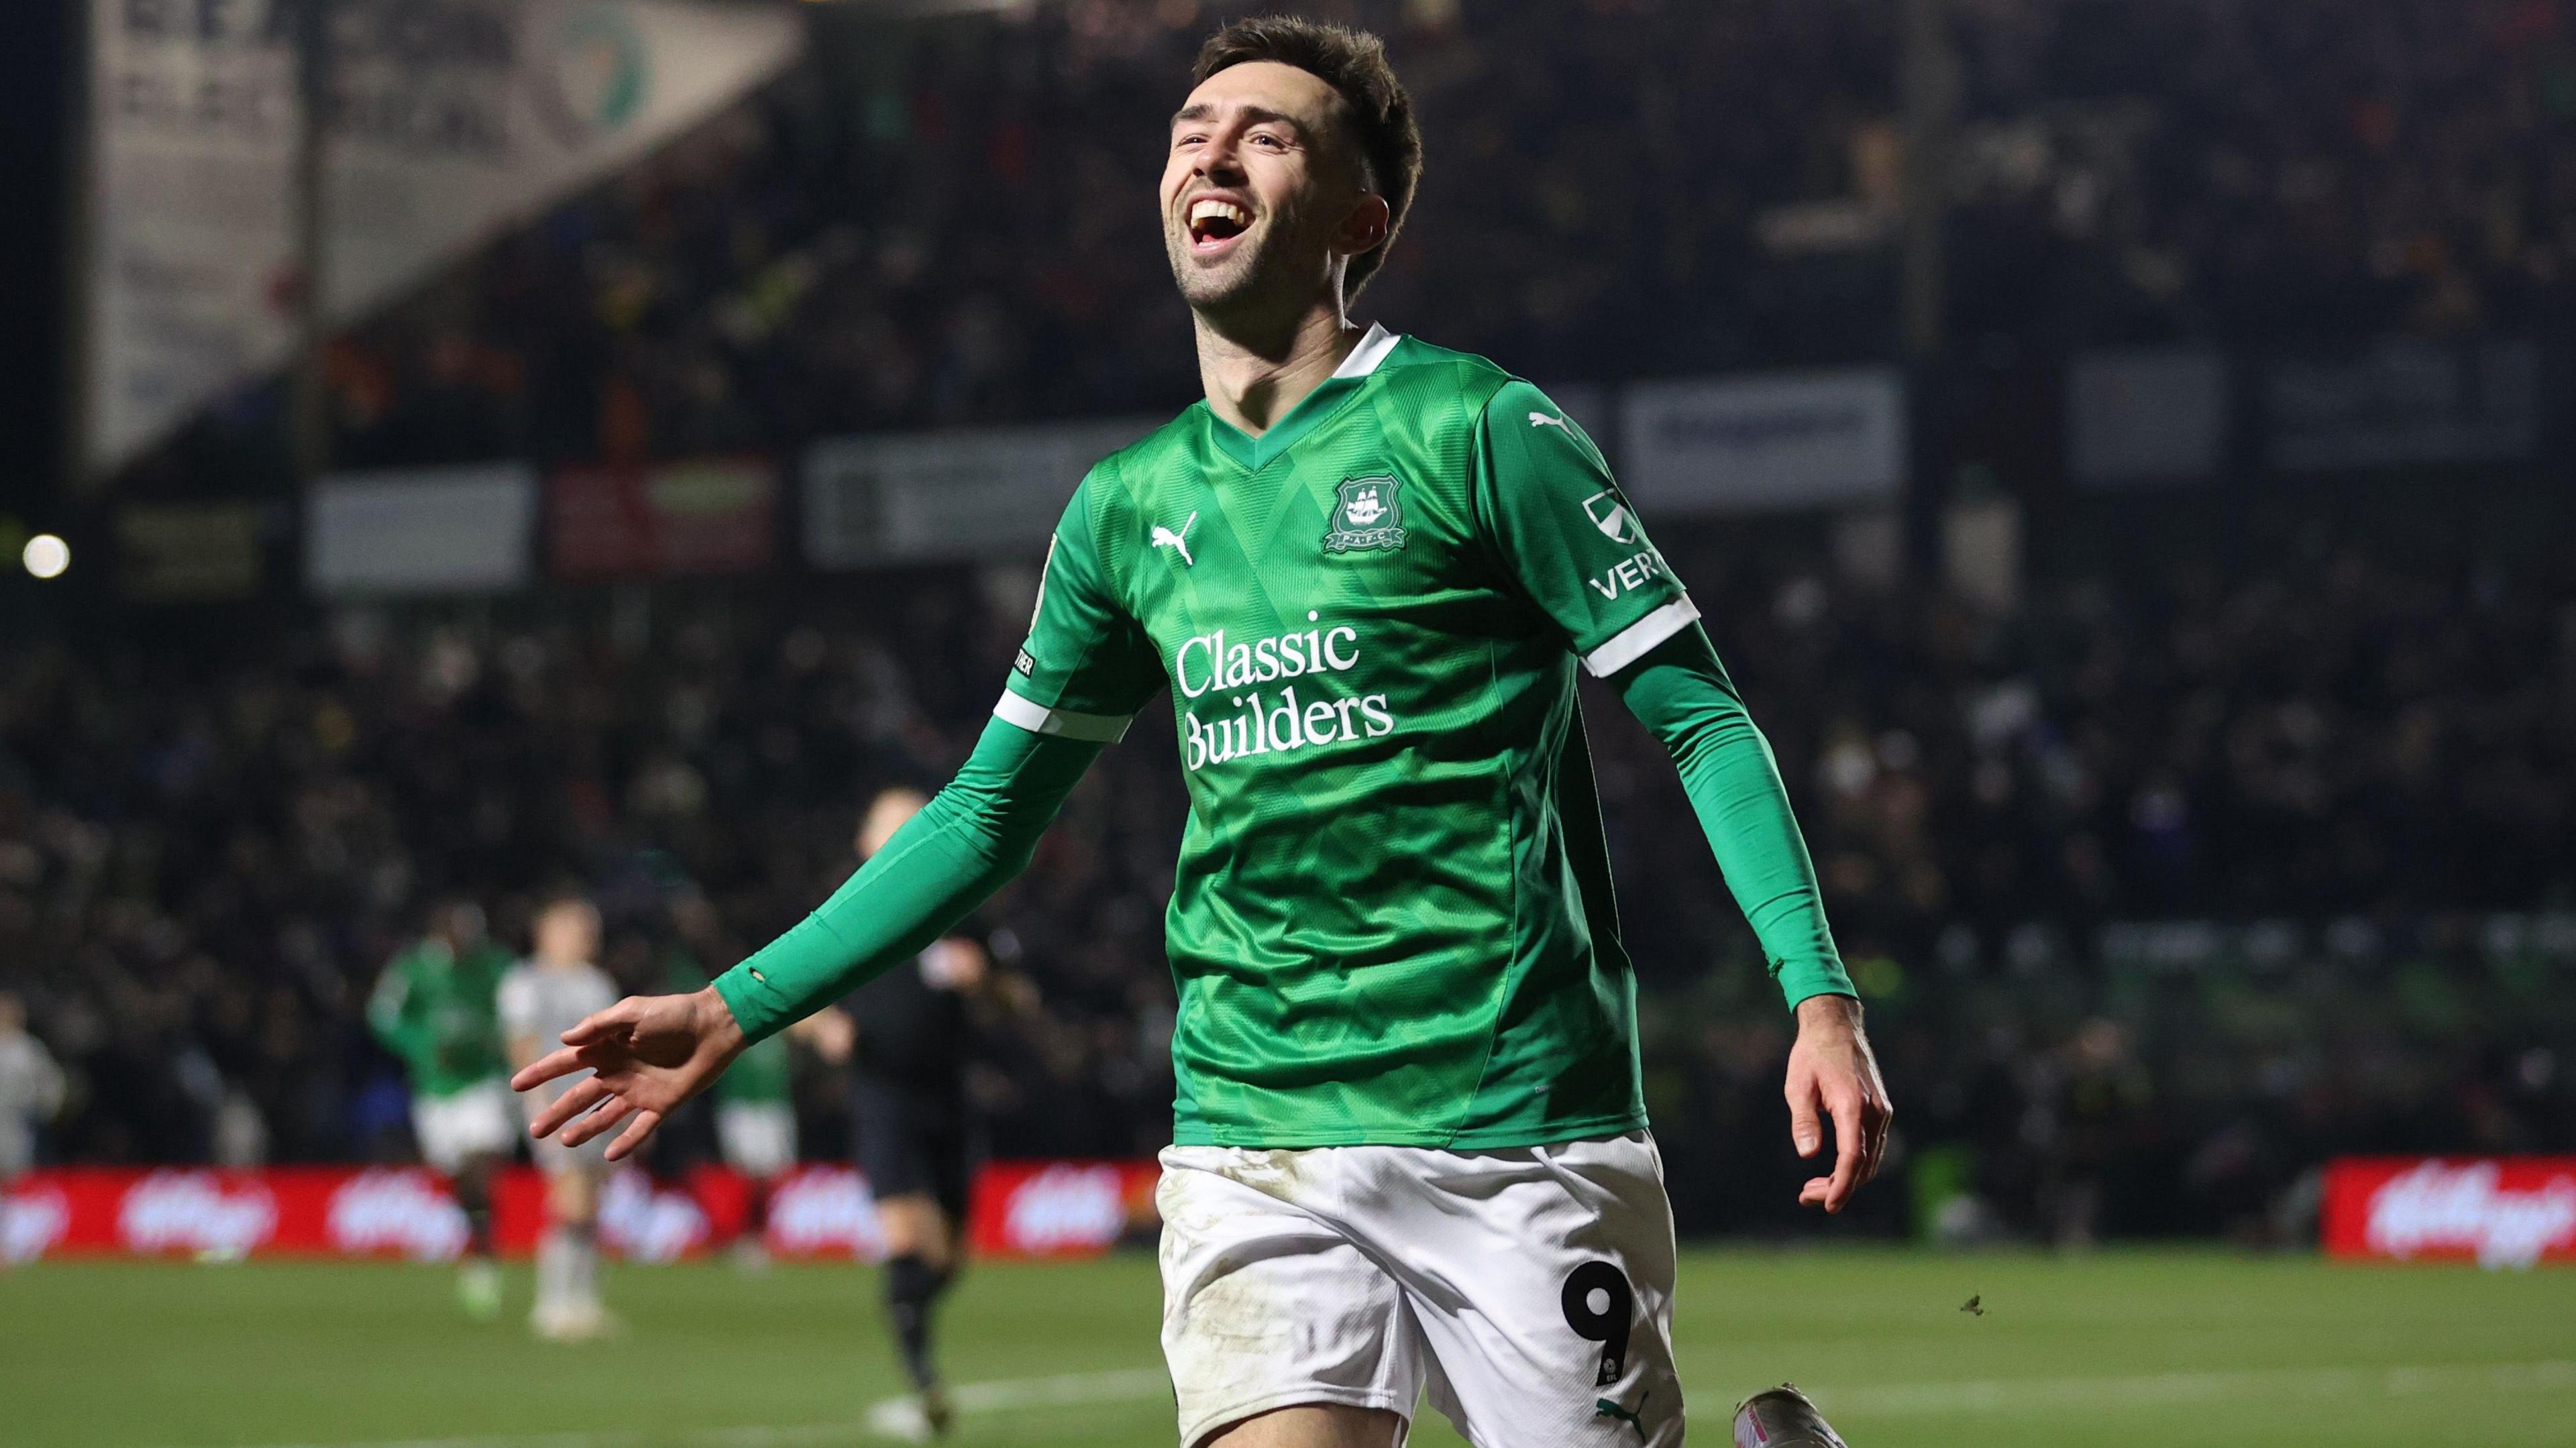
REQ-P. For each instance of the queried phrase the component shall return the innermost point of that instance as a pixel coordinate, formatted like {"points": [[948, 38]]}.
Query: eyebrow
{"points": [[1202, 111]]}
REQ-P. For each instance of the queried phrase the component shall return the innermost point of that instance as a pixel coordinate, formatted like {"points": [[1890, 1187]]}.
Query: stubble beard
{"points": [[1254, 275]]}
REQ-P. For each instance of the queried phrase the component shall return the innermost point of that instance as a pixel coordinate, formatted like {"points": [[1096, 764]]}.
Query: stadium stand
{"points": [[212, 849], [2338, 779], [963, 240]]}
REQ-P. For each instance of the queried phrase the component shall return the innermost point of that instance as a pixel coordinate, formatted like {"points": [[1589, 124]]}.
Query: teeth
{"points": [[1207, 207]]}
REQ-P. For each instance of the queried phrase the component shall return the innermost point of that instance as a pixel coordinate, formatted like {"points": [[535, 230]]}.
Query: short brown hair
{"points": [[1354, 64]]}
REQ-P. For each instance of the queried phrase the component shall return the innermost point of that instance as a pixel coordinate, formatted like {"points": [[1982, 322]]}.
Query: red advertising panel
{"points": [[1020, 1209], [222, 1214], [664, 521], [2494, 1211], [1060, 1208]]}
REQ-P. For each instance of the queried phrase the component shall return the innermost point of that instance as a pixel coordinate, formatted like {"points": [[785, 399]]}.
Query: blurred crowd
{"points": [[2316, 732], [952, 222], [209, 847]]}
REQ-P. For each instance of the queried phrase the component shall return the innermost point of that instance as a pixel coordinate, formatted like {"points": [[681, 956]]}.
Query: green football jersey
{"points": [[440, 1012], [1392, 920]]}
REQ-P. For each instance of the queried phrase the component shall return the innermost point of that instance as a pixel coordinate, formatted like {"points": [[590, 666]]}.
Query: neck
{"points": [[1255, 372]]}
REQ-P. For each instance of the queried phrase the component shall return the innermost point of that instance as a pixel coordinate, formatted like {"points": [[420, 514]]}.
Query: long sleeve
{"points": [[972, 838], [1680, 691], [1567, 534]]}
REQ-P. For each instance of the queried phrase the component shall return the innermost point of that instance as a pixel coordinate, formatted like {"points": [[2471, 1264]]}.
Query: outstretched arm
{"points": [[650, 1053], [1681, 692], [1087, 667]]}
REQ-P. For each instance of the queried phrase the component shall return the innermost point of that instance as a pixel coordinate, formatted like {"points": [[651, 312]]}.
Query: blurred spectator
{"points": [[31, 1090]]}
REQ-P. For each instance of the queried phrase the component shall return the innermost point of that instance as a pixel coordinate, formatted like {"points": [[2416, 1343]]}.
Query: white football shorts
{"points": [[758, 1138], [476, 1121], [1528, 1291]]}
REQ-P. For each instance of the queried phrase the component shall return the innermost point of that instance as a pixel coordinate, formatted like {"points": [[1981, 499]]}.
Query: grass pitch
{"points": [[2169, 1349]]}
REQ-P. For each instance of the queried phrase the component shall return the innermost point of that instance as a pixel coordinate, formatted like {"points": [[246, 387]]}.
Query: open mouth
{"points": [[1214, 222]]}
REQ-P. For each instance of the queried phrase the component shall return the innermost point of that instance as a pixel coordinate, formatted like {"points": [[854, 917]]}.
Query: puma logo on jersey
{"points": [[1604, 1408], [1541, 419], [1166, 538]]}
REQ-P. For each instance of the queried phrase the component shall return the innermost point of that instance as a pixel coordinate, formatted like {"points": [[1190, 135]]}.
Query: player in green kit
{"points": [[437, 1008], [1410, 1149]]}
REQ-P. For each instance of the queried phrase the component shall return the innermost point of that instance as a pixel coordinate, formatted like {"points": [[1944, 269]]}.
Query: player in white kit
{"points": [[31, 1093], [541, 998]]}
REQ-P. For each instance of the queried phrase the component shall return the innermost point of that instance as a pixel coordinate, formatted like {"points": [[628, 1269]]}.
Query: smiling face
{"points": [[1264, 197]]}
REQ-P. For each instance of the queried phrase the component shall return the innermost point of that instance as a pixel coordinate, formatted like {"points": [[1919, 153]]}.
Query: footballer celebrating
{"points": [[1410, 1145]]}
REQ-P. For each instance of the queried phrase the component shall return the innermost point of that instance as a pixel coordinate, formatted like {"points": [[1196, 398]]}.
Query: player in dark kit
{"points": [[906, 1034]]}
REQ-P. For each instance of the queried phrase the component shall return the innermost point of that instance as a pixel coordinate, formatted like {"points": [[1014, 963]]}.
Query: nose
{"points": [[1220, 160]]}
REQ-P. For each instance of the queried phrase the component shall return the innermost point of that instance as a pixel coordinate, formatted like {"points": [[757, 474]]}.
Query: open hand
{"points": [[648, 1054], [1832, 1073]]}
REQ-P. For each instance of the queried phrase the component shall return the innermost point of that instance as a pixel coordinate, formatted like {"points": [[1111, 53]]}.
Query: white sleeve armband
{"points": [[1064, 723], [1638, 639]]}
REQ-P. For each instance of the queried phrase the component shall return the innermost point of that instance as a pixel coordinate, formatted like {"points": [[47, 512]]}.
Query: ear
{"points": [[1364, 227]]}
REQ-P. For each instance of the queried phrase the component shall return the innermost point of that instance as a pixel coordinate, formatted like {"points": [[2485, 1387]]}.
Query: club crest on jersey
{"points": [[1367, 518]]}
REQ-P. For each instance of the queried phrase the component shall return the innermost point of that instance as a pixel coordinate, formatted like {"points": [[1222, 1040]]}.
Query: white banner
{"points": [[452, 120], [1794, 440], [988, 493], [432, 530], [2146, 416]]}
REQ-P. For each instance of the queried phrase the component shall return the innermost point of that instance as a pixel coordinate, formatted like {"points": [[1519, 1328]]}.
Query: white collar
{"points": [[1371, 351]]}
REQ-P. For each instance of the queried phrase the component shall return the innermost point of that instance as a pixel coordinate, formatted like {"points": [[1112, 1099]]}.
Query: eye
{"points": [[1275, 143]]}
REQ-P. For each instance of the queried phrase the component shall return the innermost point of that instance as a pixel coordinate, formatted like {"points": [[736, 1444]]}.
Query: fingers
{"points": [[600, 1025], [1804, 1130], [1863, 1121], [635, 1136], [1877, 1117], [593, 1123], [1848, 1139], [578, 1098], [547, 1067]]}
